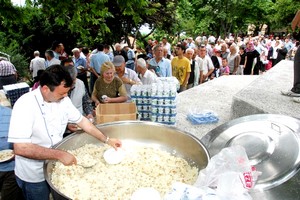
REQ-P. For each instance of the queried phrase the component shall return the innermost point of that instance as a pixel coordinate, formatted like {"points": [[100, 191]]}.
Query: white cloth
{"points": [[77, 94], [148, 78], [196, 73], [205, 64], [35, 121], [53, 61], [36, 64]]}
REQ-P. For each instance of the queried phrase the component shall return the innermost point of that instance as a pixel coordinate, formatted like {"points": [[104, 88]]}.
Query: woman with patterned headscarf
{"points": [[250, 61]]}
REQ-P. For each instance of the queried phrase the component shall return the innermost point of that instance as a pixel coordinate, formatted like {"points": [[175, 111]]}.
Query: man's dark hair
{"points": [[54, 75], [55, 44], [181, 46], [100, 47], [85, 50], [67, 60], [106, 46], [50, 53]]}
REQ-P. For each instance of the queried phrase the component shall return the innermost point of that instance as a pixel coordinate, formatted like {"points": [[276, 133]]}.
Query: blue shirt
{"points": [[79, 62], [165, 68], [5, 114], [110, 55], [131, 56], [98, 59]]}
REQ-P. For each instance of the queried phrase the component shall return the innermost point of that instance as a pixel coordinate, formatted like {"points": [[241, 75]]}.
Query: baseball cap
{"points": [[118, 60]]}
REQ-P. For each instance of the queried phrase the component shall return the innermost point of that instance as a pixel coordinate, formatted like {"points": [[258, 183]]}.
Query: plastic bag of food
{"points": [[229, 173]]}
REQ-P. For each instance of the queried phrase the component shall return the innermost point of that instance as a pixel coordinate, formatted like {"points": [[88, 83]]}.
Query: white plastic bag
{"points": [[229, 173]]}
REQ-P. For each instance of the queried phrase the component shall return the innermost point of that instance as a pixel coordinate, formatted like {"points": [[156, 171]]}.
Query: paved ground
{"points": [[231, 97]]}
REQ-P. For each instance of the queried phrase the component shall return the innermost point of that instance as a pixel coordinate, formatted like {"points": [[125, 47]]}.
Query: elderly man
{"points": [[160, 65], [36, 127], [147, 77], [78, 94], [8, 73], [81, 66], [36, 64], [205, 63], [50, 59], [128, 76], [181, 67], [195, 71], [120, 52]]}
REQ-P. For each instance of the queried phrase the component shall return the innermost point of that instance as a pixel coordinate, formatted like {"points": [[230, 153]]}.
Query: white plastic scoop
{"points": [[113, 157]]}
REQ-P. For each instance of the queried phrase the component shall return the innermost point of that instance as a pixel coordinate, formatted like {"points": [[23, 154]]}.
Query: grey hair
{"points": [[72, 71], [156, 47], [36, 53], [190, 49]]}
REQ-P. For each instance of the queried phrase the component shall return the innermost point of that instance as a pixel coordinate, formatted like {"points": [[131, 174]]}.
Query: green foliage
{"points": [[12, 48], [284, 12], [39, 23]]}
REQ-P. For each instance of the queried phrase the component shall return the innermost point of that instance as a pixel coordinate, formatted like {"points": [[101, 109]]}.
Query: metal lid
{"points": [[271, 142]]}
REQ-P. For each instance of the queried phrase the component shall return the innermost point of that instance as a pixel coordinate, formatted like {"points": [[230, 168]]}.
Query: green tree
{"points": [[103, 20], [283, 12]]}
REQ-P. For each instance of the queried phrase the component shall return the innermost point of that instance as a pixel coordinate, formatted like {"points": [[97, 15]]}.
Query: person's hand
{"points": [[67, 158], [106, 100], [97, 103], [90, 117], [72, 127], [125, 80], [115, 143]]}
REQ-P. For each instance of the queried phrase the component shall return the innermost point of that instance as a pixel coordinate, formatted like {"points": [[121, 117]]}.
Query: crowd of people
{"points": [[67, 89]]}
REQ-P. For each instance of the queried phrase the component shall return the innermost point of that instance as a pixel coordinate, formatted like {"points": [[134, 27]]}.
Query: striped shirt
{"points": [[7, 68]]}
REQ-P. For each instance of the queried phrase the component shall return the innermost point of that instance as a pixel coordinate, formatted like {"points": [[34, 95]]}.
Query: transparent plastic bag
{"points": [[230, 174]]}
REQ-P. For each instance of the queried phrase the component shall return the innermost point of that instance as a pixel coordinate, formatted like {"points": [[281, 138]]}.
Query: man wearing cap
{"points": [[128, 76], [147, 77], [81, 66], [36, 64]]}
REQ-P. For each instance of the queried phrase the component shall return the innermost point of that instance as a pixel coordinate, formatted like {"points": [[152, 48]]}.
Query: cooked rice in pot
{"points": [[142, 167]]}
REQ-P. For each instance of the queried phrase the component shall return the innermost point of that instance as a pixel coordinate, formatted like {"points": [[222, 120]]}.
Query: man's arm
{"points": [[37, 152], [91, 129], [185, 82]]}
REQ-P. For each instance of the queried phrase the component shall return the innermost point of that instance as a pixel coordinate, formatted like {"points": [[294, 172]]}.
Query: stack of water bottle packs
{"points": [[141, 96], [14, 91], [156, 102]]}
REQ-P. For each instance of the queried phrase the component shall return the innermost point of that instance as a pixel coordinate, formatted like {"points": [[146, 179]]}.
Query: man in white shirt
{"points": [[128, 76], [205, 63], [36, 64], [50, 59], [38, 122], [147, 77]]}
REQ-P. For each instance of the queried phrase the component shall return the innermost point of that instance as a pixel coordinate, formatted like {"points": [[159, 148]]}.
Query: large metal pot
{"points": [[149, 134]]}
